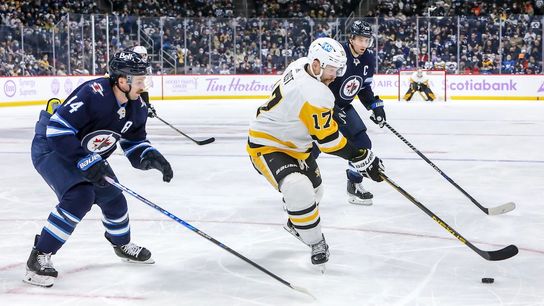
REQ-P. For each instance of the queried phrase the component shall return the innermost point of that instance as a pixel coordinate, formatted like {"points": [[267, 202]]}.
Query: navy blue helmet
{"points": [[127, 63], [360, 28]]}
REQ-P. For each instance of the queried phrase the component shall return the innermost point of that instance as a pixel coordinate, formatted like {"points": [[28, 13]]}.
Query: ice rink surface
{"points": [[390, 253]]}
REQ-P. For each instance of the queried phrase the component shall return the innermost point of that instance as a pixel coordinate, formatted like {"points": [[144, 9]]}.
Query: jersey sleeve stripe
{"points": [[146, 150], [54, 132], [57, 118], [335, 145], [329, 138], [134, 147]]}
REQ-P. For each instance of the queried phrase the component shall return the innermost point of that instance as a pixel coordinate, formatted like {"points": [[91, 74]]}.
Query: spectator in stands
{"points": [[508, 64]]}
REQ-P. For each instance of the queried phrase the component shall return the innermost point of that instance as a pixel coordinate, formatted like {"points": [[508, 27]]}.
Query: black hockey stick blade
{"points": [[205, 141], [198, 142], [502, 254]]}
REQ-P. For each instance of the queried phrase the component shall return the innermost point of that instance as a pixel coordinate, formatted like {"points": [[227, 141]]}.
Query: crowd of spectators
{"points": [[425, 34], [203, 36], [315, 9]]}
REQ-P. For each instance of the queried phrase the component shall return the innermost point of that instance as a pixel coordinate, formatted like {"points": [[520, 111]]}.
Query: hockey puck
{"points": [[488, 280]]}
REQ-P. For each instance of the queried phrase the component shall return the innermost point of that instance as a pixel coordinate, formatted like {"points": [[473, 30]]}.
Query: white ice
{"points": [[390, 253]]}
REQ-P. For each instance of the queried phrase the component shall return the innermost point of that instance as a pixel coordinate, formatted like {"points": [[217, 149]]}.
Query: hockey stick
{"points": [[501, 209], [201, 233], [198, 142], [501, 254]]}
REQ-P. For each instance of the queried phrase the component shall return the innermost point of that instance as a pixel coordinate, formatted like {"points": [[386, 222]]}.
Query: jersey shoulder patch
{"points": [[96, 88]]}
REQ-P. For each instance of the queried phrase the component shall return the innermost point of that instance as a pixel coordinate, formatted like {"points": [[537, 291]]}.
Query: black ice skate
{"points": [[39, 268], [358, 195], [133, 253], [320, 254]]}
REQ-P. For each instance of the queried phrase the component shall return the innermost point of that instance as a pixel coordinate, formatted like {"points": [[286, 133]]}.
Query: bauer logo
{"points": [[10, 88], [350, 87], [101, 141]]}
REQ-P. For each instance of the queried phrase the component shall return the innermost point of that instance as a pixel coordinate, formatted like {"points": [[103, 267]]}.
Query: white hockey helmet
{"points": [[140, 50], [328, 52]]}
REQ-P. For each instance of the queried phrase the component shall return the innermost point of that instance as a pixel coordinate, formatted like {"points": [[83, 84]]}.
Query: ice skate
{"points": [[320, 254], [358, 195], [39, 268], [133, 253]]}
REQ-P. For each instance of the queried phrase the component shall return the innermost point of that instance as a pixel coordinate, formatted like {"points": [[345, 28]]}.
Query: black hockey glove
{"points": [[151, 112], [94, 168], [154, 160], [378, 113], [368, 165]]}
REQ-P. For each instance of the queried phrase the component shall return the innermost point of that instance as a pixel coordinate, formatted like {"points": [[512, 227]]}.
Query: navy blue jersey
{"points": [[91, 121], [356, 81]]}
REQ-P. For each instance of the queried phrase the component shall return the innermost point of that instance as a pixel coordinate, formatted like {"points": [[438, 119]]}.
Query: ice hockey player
{"points": [[419, 82], [281, 138], [148, 81], [357, 81], [70, 149]]}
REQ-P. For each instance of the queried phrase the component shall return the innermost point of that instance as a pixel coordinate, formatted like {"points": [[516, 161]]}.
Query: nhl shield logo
{"points": [[351, 87], [101, 141]]}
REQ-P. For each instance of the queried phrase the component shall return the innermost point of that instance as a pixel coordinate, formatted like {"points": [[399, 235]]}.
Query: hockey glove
{"points": [[378, 113], [151, 112], [154, 160], [94, 168], [368, 166]]}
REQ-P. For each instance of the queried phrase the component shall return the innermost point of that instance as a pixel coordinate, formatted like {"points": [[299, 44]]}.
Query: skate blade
{"points": [[321, 267], [146, 262], [39, 280], [358, 201], [292, 232]]}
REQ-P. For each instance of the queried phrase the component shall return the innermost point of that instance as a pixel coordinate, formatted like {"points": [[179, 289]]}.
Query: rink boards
{"points": [[34, 90]]}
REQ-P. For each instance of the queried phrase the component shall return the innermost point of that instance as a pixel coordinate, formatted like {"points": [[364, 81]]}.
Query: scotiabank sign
{"points": [[495, 86]]}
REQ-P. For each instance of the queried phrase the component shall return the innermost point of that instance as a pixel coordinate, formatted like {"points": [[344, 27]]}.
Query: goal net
{"points": [[436, 82]]}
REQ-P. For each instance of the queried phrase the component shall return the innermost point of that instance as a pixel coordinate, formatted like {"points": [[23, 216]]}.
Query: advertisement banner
{"points": [[494, 87], [37, 90], [218, 86]]}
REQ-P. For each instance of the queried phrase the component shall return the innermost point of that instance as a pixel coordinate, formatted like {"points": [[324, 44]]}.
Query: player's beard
{"points": [[327, 81]]}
